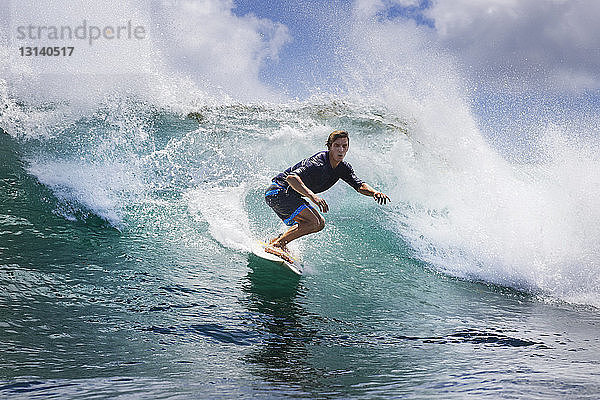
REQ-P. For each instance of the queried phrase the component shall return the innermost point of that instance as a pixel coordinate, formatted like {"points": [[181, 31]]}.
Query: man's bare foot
{"points": [[275, 238], [278, 245], [279, 252]]}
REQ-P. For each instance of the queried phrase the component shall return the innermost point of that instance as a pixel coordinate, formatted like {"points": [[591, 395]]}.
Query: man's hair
{"points": [[335, 135]]}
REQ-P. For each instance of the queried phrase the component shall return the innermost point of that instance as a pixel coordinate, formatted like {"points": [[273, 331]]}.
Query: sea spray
{"points": [[465, 209], [223, 209]]}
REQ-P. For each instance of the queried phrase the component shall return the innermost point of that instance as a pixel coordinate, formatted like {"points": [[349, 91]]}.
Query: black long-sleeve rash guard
{"points": [[317, 174]]}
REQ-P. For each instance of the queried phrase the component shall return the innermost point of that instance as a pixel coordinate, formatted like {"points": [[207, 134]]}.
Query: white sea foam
{"points": [[223, 209], [102, 188], [468, 211]]}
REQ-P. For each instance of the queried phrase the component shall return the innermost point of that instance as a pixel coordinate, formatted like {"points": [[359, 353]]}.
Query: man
{"points": [[307, 178]]}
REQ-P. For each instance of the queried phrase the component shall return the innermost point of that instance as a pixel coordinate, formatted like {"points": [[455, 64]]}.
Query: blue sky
{"points": [[307, 62], [538, 45], [414, 12], [303, 62]]}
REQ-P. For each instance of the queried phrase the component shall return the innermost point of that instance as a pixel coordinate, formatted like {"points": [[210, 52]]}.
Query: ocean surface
{"points": [[125, 269]]}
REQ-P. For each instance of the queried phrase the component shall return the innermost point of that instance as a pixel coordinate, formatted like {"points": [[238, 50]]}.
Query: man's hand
{"points": [[367, 190], [320, 202], [381, 198]]}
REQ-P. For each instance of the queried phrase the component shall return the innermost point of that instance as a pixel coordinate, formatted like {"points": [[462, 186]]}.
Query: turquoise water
{"points": [[125, 269]]}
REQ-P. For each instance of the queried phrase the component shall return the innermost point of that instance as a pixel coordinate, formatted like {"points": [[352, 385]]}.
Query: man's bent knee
{"points": [[320, 225], [312, 226], [317, 225], [310, 221]]}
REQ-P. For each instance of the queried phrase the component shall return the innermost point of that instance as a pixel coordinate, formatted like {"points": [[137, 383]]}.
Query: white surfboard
{"points": [[259, 250]]}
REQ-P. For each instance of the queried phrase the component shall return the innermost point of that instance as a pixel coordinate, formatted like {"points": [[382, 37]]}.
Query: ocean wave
{"points": [[462, 207]]}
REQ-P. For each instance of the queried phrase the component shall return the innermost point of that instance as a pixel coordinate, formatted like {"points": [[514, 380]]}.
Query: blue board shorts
{"points": [[286, 203]]}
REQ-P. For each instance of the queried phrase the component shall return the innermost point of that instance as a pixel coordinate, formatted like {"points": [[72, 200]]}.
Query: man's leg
{"points": [[308, 221]]}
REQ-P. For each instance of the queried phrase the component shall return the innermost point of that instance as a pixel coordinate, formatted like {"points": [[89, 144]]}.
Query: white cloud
{"points": [[512, 45], [523, 44], [364, 9], [206, 40], [406, 3]]}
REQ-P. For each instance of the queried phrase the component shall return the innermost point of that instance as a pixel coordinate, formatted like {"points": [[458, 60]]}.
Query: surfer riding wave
{"points": [[308, 177]]}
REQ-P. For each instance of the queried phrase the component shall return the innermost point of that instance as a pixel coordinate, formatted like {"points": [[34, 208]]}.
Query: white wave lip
{"points": [[102, 188], [223, 209], [467, 211]]}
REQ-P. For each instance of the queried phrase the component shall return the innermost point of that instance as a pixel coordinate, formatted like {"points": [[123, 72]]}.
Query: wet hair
{"points": [[335, 135]]}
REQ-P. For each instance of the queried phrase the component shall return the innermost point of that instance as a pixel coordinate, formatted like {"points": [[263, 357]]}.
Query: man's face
{"points": [[338, 149]]}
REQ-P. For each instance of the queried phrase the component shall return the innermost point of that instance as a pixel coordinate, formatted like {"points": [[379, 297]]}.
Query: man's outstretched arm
{"points": [[367, 190]]}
